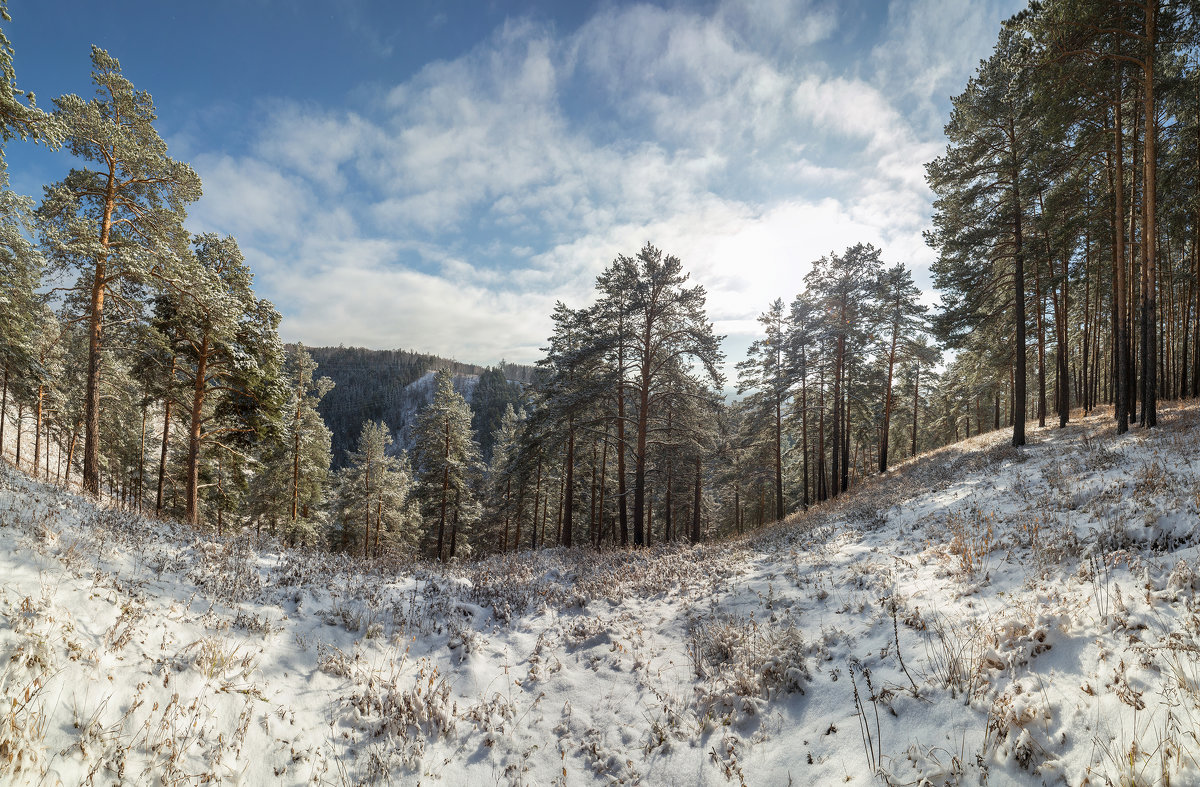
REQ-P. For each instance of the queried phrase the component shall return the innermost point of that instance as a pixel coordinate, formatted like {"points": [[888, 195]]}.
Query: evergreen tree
{"points": [[902, 319], [843, 288], [120, 222], [373, 506], [492, 396], [227, 352], [501, 470], [664, 329], [21, 118], [445, 455], [981, 212], [291, 492], [765, 372]]}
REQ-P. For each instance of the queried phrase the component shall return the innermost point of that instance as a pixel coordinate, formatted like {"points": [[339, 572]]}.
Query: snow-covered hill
{"points": [[981, 615]]}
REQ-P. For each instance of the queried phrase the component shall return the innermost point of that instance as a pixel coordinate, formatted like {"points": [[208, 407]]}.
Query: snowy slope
{"points": [[982, 615]]}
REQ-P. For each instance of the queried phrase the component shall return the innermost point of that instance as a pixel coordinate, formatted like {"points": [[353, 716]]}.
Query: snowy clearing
{"points": [[981, 615]]}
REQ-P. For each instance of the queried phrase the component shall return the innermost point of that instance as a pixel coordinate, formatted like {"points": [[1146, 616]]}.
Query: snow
{"points": [[983, 613]]}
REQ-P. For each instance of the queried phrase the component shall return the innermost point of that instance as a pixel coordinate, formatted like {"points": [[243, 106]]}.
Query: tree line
{"points": [[143, 356], [1065, 218]]}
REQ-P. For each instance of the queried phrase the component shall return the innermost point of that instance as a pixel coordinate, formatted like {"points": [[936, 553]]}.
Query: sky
{"points": [[435, 175]]}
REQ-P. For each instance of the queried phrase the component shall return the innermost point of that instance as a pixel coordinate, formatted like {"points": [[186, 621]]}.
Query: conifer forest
{"points": [[937, 524]]}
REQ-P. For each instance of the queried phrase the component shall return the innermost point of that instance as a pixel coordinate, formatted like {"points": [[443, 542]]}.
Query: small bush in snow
{"points": [[742, 665]]}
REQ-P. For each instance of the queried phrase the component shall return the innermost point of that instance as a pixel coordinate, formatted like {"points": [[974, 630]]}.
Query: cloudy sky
{"points": [[434, 175]]}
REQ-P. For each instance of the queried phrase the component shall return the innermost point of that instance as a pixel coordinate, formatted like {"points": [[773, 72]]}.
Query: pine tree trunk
{"points": [[639, 477], [779, 457], [1120, 342], [141, 457], [91, 439], [1018, 297], [667, 516], [194, 435], [916, 405], [37, 430], [1149, 226], [593, 527], [822, 491], [649, 519], [887, 400], [603, 486], [568, 516], [845, 404], [71, 453], [3, 409], [839, 361], [537, 499], [162, 462], [445, 494], [696, 506], [804, 432], [1039, 317]]}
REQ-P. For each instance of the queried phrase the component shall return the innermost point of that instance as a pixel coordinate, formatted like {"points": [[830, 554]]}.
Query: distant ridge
{"points": [[384, 385]]}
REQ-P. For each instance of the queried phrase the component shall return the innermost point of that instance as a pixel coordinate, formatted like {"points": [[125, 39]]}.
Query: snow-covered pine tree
{"points": [[122, 221], [446, 459], [373, 507], [227, 352]]}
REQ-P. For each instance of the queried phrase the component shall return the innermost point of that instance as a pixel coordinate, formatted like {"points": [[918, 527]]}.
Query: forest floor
{"points": [[980, 615]]}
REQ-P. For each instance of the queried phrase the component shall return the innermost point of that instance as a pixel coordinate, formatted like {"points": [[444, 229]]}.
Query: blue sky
{"points": [[434, 175]]}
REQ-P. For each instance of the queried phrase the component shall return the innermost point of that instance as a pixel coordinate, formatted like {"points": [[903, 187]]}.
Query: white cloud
{"points": [[932, 46], [451, 215]]}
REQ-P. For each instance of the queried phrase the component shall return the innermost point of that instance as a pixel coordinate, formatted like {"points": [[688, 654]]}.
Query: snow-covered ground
{"points": [[981, 615]]}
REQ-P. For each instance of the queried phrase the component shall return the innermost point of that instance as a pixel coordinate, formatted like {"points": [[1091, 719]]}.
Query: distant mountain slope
{"points": [[392, 385]]}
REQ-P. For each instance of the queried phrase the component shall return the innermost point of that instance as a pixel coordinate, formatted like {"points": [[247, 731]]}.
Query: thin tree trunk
{"points": [[445, 493], [37, 430], [1018, 298], [804, 431], [194, 435], [141, 457], [696, 506], [1120, 342], [1149, 416], [568, 516], [887, 400], [916, 405]]}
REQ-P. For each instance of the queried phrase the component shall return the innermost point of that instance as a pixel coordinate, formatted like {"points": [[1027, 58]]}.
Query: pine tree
{"points": [[227, 352], [309, 441], [843, 288], [20, 273], [20, 118], [120, 222], [373, 495], [981, 211], [663, 325], [493, 394], [446, 457], [501, 470], [901, 317], [766, 372]]}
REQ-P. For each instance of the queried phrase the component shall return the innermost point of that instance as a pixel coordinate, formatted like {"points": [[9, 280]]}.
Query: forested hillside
{"points": [[380, 385]]}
